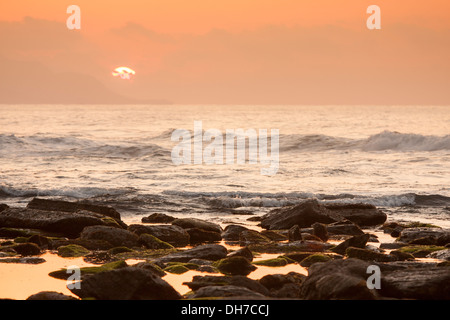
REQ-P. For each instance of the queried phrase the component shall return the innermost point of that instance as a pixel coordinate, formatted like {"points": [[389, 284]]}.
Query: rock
{"points": [[197, 236], [274, 262], [69, 224], [298, 256], [428, 241], [66, 206], [432, 283], [152, 242], [117, 237], [187, 223], [23, 260], [41, 241], [199, 282], [176, 269], [127, 283], [91, 244], [243, 252], [420, 251], [283, 285], [410, 234], [86, 272], [274, 235], [226, 292], [232, 232], [314, 258], [151, 267], [401, 256], [207, 251], [441, 255], [393, 245], [50, 295], [72, 250], [174, 235], [234, 266], [296, 246], [3, 207], [294, 233], [304, 215], [443, 240], [252, 236], [368, 255], [320, 231], [364, 215], [343, 279], [25, 232], [344, 227], [158, 218], [27, 249], [355, 241]]}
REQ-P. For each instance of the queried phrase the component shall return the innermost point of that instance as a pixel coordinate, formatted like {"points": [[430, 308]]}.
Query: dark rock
{"points": [[401, 256], [232, 232], [344, 227], [117, 237], [297, 256], [368, 255], [175, 235], [234, 266], [283, 285], [27, 249], [443, 240], [158, 218], [355, 241], [151, 267], [304, 215], [207, 251], [66, 206], [23, 260], [72, 250], [393, 245], [197, 235], [199, 282], [320, 231], [428, 241], [91, 244], [432, 283], [226, 292], [295, 246], [50, 295], [3, 207], [274, 235], [69, 224], [243, 252], [364, 215], [252, 236], [294, 233], [338, 279], [187, 223], [25, 232], [42, 242], [410, 234], [129, 283], [441, 255]]}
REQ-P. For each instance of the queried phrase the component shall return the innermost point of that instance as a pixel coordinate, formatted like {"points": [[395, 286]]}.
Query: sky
{"points": [[226, 52]]}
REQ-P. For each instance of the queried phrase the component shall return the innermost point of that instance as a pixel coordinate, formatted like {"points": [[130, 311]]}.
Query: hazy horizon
{"points": [[291, 52]]}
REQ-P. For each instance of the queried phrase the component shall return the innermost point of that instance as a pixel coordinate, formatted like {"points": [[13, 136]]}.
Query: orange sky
{"points": [[234, 51]]}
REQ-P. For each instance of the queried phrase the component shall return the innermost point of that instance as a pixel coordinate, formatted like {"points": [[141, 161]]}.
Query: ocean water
{"points": [[395, 157]]}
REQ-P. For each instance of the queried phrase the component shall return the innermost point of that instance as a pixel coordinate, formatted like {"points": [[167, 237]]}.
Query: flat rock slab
{"points": [[364, 215], [211, 252], [417, 283], [69, 224]]}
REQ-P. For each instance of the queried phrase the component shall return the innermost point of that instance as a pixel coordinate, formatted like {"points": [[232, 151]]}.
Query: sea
{"points": [[394, 157]]}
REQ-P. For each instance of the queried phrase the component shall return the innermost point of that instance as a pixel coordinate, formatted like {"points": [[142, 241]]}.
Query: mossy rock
{"points": [[146, 254], [417, 224], [152, 242], [420, 251], [236, 265], [86, 271], [176, 269], [72, 250], [190, 266], [308, 261], [275, 262], [117, 250], [111, 222]]}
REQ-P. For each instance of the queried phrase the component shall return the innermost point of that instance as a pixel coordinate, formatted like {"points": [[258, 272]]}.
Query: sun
{"points": [[123, 73]]}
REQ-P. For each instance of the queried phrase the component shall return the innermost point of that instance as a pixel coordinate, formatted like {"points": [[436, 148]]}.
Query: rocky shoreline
{"points": [[335, 243]]}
